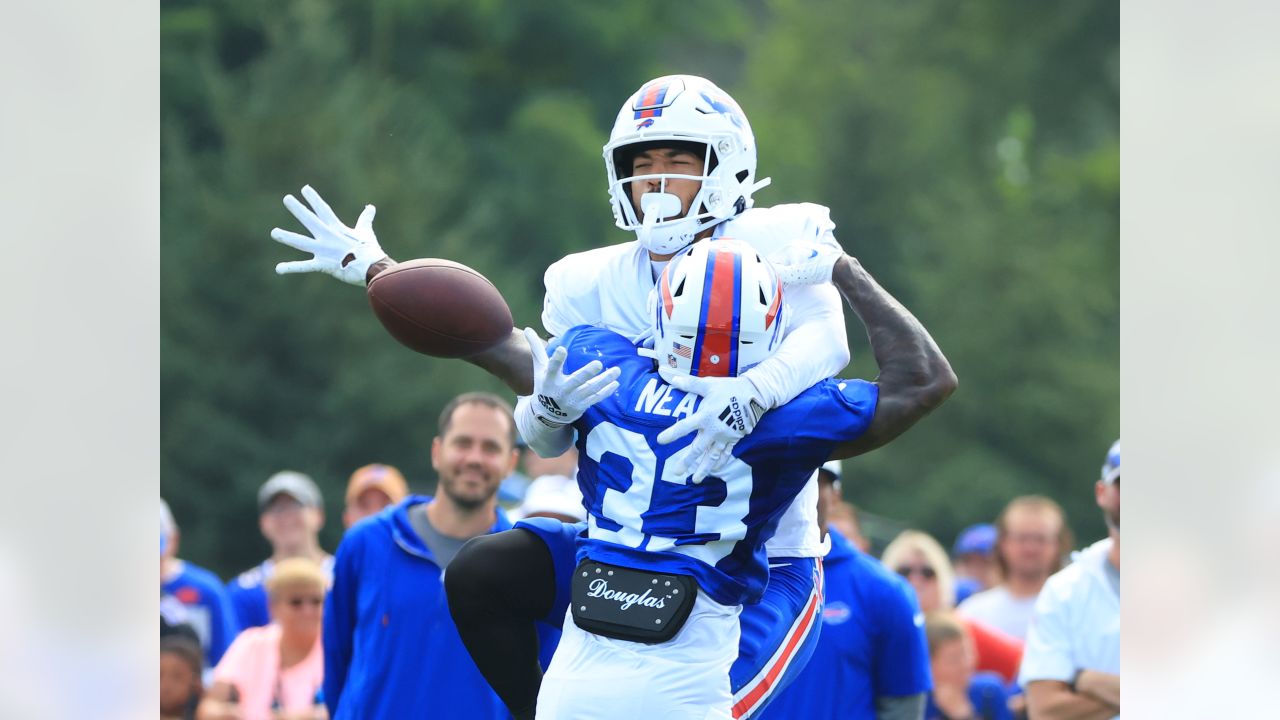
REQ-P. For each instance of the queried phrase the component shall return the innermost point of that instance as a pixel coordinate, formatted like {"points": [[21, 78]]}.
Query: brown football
{"points": [[440, 308]]}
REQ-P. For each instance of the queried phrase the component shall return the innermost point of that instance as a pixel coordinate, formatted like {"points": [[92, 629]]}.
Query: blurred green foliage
{"points": [[969, 153]]}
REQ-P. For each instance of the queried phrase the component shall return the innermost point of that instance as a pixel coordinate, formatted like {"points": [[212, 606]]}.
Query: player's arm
{"points": [[915, 376], [508, 360], [814, 348], [353, 255], [1055, 700]]}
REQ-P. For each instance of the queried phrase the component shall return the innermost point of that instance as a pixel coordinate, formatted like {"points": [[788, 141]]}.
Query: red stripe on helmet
{"points": [[773, 309], [665, 286], [717, 332]]}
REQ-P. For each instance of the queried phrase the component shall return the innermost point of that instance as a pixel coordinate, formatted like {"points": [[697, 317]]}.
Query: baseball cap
{"points": [[291, 483], [835, 467], [977, 539], [376, 475], [1111, 466], [552, 494]]}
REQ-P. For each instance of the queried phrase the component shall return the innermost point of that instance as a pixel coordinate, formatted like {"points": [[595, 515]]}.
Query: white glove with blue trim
{"points": [[730, 408]]}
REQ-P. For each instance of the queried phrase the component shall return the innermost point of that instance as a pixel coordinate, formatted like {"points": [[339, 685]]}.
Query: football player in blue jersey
{"points": [[667, 562]]}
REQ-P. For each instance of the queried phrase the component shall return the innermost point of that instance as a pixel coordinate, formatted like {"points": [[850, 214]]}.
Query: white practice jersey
{"points": [[609, 287]]}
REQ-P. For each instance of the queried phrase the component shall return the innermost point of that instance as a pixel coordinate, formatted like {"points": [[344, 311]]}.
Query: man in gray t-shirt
{"points": [[391, 646]]}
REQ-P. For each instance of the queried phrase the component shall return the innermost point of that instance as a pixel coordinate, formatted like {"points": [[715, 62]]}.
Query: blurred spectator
{"points": [[290, 515], [844, 517], [204, 603], [554, 496], [841, 515], [1072, 663], [1032, 538], [515, 486], [391, 648], [958, 692], [275, 672], [370, 489], [181, 668], [922, 561], [974, 555], [871, 659]]}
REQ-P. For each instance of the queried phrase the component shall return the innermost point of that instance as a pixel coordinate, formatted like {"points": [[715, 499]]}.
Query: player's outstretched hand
{"points": [[343, 252], [560, 399], [730, 409], [805, 263]]}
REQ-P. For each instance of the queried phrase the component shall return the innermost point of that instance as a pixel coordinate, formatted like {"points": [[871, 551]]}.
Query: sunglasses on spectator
{"points": [[298, 602], [924, 571]]}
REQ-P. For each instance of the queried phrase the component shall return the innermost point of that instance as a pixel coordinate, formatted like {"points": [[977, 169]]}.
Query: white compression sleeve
{"points": [[812, 351]]}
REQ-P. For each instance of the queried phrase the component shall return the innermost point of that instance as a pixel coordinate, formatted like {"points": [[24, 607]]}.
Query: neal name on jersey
{"points": [[640, 516]]}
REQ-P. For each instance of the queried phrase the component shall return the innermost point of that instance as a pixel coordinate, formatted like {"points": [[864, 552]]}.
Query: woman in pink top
{"points": [[275, 672]]}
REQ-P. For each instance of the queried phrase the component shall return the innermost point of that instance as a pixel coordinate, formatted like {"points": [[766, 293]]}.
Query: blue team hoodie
{"points": [[391, 649]]}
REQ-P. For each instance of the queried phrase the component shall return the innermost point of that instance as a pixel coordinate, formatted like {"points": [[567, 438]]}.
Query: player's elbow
{"points": [[942, 384], [929, 385]]}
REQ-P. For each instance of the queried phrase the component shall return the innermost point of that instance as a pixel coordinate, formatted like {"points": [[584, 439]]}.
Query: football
{"points": [[440, 308]]}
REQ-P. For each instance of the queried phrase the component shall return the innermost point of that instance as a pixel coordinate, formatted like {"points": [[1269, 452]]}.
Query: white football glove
{"points": [[730, 409], [805, 263], [560, 399], [343, 252]]}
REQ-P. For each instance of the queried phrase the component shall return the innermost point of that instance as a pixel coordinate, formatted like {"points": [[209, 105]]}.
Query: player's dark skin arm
{"points": [[508, 360], [915, 376]]}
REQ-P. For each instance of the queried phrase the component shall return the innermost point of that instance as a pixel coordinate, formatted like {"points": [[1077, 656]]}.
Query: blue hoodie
{"points": [[391, 649], [872, 642]]}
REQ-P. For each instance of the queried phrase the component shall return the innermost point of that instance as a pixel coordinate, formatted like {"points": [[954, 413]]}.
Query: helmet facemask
{"points": [[681, 112]]}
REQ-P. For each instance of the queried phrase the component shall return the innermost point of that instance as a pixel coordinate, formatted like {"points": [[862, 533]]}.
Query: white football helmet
{"points": [[682, 109], [718, 310]]}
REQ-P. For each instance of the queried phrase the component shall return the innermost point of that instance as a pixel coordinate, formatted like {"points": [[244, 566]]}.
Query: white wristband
{"points": [[544, 438]]}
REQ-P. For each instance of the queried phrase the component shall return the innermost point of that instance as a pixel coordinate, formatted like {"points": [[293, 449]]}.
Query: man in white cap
{"points": [[290, 515], [1071, 665]]}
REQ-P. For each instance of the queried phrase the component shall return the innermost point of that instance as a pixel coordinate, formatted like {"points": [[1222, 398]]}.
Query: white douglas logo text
{"points": [[600, 588]]}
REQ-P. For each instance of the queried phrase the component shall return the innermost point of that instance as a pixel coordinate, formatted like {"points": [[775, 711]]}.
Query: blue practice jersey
{"points": [[641, 516]]}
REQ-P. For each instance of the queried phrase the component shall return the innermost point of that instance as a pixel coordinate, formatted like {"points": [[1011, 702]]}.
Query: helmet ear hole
{"points": [[742, 175]]}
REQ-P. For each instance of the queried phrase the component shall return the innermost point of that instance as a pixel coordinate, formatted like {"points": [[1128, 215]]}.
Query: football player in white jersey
{"points": [[681, 164]]}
